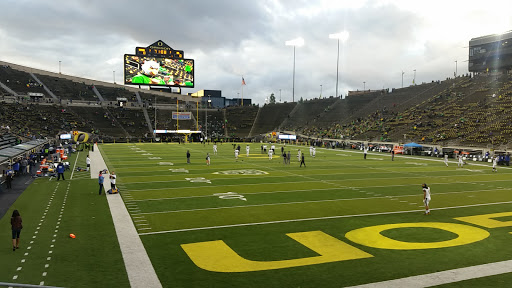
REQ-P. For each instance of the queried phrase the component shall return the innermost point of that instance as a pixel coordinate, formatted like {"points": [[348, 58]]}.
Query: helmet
{"points": [[424, 185]]}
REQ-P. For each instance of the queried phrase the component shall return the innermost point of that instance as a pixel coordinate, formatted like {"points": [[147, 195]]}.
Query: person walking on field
{"points": [[208, 159], [426, 198], [188, 157], [302, 161], [365, 151], [16, 226], [446, 160], [495, 164]]}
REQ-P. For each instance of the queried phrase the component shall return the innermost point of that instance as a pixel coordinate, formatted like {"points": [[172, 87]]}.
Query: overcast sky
{"points": [[231, 38]]}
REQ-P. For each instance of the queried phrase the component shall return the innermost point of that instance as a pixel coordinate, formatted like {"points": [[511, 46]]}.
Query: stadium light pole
{"points": [[364, 85], [295, 42], [343, 36], [280, 96], [414, 78], [59, 66], [206, 122], [320, 90], [455, 68], [403, 78], [114, 74]]}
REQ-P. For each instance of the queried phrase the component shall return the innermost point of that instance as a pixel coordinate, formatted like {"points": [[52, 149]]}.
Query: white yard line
{"points": [[378, 196], [317, 218], [136, 260], [324, 189], [444, 277]]}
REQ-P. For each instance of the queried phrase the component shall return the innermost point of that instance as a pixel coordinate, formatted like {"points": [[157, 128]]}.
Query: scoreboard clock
{"points": [[159, 49]]}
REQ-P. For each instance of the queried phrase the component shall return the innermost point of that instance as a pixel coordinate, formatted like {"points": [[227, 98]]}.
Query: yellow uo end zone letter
{"points": [[487, 221], [371, 237], [217, 256]]}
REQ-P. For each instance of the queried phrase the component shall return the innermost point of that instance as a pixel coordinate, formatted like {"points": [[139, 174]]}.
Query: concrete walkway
{"points": [[138, 266]]}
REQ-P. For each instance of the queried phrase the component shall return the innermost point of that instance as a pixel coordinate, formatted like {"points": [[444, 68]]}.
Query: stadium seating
{"points": [[19, 81], [68, 90], [270, 117], [240, 120]]}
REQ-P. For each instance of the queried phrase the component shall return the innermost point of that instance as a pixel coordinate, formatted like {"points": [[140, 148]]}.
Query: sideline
{"points": [[74, 165], [445, 277], [136, 260]]}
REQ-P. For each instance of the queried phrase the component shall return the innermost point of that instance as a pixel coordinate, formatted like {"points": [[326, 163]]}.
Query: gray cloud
{"points": [[230, 38]]}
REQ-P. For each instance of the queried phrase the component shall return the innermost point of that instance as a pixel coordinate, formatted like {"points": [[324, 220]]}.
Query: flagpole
{"points": [[242, 90]]}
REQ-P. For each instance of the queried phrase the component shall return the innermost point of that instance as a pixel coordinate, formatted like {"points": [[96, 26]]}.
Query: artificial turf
{"points": [[337, 192], [92, 259]]}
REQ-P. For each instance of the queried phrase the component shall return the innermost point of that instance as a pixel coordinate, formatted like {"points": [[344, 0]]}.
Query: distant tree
{"points": [[272, 99], [301, 100]]}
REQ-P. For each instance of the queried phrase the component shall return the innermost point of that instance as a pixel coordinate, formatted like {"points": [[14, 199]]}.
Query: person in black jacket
{"points": [[16, 229], [302, 160]]}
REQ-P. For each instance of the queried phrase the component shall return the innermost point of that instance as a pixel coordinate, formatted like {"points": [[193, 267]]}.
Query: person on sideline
{"points": [[365, 151], [60, 171], [16, 227], [88, 162], [426, 198], [446, 160], [215, 149], [113, 180], [100, 181]]}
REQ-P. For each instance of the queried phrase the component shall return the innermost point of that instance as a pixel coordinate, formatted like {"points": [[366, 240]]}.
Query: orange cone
{"points": [[72, 236]]}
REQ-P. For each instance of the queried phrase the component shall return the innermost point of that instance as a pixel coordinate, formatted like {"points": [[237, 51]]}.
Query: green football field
{"points": [[254, 222]]}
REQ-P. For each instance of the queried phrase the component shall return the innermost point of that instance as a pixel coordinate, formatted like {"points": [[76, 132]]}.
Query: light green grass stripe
{"points": [[318, 218]]}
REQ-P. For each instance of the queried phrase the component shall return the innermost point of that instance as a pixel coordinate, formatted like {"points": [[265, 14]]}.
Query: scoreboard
{"points": [[158, 65], [159, 49]]}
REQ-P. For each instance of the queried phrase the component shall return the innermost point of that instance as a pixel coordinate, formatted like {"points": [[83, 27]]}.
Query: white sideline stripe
{"points": [[74, 166], [319, 218], [444, 277], [136, 260], [377, 196]]}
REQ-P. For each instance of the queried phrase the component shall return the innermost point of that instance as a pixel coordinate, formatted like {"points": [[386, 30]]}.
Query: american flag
{"points": [[243, 81]]}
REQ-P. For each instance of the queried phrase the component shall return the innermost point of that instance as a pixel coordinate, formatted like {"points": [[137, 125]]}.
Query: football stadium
{"points": [[160, 181]]}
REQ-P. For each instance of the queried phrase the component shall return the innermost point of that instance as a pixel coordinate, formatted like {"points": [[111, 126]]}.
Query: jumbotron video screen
{"points": [[158, 71]]}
